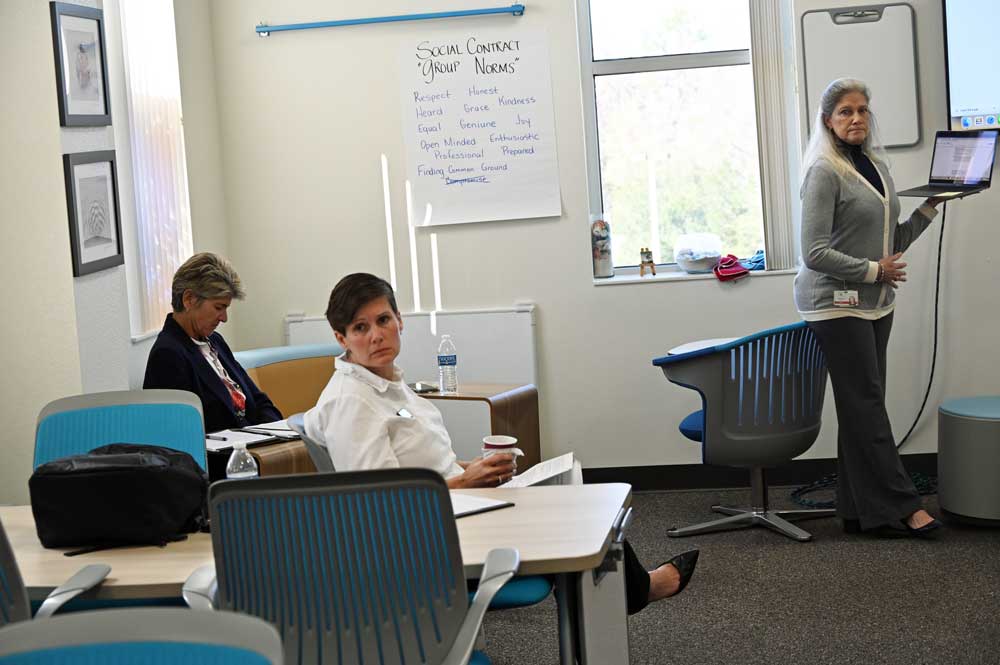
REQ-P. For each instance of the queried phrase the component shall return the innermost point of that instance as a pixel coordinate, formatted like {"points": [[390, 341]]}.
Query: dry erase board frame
{"points": [[885, 111]]}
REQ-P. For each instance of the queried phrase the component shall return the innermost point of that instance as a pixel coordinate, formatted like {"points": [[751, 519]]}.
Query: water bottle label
{"points": [[448, 360]]}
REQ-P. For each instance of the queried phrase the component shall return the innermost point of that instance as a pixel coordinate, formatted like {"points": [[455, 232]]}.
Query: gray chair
{"points": [[78, 424], [318, 452], [14, 603], [762, 401], [142, 636], [350, 567]]}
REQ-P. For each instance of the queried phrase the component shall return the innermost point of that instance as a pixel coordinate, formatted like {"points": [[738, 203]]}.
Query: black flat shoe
{"points": [[929, 530], [685, 563]]}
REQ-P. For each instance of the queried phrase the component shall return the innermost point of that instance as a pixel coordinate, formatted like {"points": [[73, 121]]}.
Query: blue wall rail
{"points": [[264, 30]]}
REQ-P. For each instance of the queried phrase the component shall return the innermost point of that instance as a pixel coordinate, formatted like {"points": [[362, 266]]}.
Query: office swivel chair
{"points": [[14, 603], [142, 637], [78, 424], [319, 453], [762, 399], [350, 567], [521, 591]]}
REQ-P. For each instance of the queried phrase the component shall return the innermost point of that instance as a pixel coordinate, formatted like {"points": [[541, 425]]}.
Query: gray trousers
{"points": [[872, 485]]}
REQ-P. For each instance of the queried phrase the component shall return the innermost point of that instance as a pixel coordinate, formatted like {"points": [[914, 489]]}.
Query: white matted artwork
{"points": [[478, 125], [92, 199], [81, 67]]}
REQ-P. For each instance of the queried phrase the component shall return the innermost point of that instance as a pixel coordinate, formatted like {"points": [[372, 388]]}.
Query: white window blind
{"points": [[159, 171]]}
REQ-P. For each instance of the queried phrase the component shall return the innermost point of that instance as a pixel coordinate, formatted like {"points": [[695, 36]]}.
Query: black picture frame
{"points": [[95, 228], [81, 65]]}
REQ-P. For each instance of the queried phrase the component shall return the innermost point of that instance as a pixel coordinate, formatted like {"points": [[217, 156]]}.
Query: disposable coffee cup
{"points": [[499, 443]]}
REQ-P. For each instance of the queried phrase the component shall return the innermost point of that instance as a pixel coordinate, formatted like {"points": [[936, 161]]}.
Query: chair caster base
{"points": [[741, 519]]}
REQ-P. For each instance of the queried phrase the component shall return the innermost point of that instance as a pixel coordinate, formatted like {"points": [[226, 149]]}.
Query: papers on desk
{"points": [[542, 472], [252, 435], [278, 428], [466, 504], [225, 439]]}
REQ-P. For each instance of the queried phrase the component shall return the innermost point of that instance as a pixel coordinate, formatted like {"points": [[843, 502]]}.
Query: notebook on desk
{"points": [[466, 504]]}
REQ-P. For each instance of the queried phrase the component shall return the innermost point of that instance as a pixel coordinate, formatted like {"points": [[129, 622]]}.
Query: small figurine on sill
{"points": [[646, 261]]}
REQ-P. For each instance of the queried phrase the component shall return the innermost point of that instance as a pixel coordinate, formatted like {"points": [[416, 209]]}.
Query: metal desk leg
{"points": [[593, 624], [566, 604]]}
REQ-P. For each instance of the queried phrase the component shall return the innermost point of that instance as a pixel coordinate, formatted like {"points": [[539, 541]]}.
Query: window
{"points": [[673, 122], [159, 171]]}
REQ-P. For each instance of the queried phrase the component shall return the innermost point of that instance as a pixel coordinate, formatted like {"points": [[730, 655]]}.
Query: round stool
{"points": [[969, 459]]}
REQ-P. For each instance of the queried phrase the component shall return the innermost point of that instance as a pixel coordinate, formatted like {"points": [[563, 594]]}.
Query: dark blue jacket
{"points": [[176, 362]]}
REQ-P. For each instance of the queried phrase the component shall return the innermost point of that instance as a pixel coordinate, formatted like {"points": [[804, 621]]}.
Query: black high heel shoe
{"points": [[685, 563]]}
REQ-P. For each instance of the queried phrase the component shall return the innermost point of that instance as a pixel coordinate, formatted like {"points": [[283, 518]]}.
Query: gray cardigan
{"points": [[847, 226]]}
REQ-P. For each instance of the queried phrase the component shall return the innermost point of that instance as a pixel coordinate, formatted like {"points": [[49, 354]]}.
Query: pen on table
{"points": [[216, 437]]}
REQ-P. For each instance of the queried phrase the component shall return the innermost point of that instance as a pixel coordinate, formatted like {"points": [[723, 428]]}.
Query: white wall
{"points": [[38, 340], [303, 118]]}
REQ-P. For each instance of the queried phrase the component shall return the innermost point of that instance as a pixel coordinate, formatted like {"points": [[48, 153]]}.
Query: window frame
{"points": [[770, 55]]}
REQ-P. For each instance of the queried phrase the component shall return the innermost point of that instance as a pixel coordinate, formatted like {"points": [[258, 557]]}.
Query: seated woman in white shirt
{"points": [[368, 418]]}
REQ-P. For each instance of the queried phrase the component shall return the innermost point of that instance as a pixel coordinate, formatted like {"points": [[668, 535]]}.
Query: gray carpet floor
{"points": [[758, 597]]}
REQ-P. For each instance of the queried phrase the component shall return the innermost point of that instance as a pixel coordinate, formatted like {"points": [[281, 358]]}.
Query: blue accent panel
{"points": [[693, 426], [177, 426], [130, 653], [479, 658], [756, 385], [252, 358], [739, 403], [985, 408], [521, 592], [514, 10]]}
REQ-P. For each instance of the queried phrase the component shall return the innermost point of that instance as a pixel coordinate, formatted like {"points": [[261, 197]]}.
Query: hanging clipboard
{"points": [[876, 44]]}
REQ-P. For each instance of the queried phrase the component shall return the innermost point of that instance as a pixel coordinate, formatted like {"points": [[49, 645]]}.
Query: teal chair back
{"points": [[354, 567], [75, 425], [762, 396], [142, 637]]}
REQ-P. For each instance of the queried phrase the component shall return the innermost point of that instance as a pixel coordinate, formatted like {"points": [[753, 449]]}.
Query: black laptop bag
{"points": [[119, 494]]}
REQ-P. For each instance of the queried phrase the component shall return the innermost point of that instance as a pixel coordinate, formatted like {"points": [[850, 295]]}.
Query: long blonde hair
{"points": [[823, 142]]}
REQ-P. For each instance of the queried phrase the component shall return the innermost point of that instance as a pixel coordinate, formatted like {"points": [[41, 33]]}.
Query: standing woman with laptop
{"points": [[852, 247]]}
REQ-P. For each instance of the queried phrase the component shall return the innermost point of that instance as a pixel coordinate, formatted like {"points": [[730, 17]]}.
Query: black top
{"points": [[864, 166], [175, 361]]}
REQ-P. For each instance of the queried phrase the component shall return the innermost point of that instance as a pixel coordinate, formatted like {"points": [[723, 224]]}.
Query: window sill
{"points": [[670, 274]]}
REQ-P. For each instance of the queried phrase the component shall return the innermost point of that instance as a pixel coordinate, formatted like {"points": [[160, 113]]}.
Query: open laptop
{"points": [[962, 164]]}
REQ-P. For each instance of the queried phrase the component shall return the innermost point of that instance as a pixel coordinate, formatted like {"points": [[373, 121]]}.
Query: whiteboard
{"points": [[494, 345], [478, 125], [876, 44]]}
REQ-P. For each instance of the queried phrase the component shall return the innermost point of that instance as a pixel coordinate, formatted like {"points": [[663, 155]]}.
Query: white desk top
{"points": [[555, 528]]}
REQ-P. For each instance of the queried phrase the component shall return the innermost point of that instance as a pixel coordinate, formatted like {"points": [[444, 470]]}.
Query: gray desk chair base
{"points": [[758, 515]]}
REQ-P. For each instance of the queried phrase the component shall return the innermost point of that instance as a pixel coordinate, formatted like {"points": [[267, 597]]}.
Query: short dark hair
{"points": [[351, 294]]}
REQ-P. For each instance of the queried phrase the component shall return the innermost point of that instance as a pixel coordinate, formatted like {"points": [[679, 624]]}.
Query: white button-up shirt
{"points": [[367, 422]]}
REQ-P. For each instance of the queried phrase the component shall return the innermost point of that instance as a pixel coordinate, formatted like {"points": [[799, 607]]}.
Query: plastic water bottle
{"points": [[447, 366], [241, 463]]}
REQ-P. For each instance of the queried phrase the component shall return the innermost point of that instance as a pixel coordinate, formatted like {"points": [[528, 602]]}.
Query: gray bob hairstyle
{"points": [[206, 275], [823, 144]]}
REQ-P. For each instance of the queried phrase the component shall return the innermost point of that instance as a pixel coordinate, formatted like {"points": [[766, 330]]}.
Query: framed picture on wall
{"points": [[95, 229], [81, 65]]}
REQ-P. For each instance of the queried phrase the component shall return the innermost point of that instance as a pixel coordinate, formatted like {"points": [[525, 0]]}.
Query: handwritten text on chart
{"points": [[477, 116]]}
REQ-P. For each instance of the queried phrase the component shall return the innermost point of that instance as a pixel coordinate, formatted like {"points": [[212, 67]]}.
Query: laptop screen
{"points": [[963, 158]]}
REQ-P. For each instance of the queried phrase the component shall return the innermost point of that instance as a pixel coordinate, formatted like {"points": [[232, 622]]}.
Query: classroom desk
{"points": [[560, 530], [513, 410]]}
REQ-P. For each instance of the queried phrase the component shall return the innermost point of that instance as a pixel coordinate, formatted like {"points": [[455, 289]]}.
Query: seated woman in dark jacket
{"points": [[190, 355]]}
